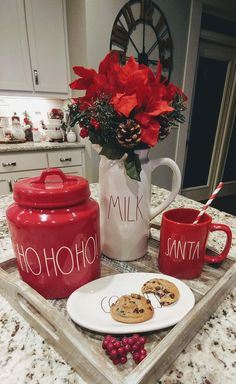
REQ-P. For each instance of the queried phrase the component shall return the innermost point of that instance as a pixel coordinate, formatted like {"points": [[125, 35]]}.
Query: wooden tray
{"points": [[82, 348]]}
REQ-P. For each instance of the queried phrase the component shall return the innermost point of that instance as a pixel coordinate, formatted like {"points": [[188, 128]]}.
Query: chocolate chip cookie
{"points": [[132, 309], [166, 291]]}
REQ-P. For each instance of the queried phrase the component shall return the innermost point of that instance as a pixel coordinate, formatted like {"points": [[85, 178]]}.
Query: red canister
{"points": [[54, 228]]}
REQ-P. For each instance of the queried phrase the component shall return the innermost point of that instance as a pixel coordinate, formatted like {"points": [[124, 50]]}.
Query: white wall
{"points": [[177, 16], [189, 79], [76, 27], [100, 16]]}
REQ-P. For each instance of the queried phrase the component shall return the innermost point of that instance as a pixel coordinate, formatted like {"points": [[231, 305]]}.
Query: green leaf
{"points": [[74, 119], [112, 152], [94, 137], [133, 166]]}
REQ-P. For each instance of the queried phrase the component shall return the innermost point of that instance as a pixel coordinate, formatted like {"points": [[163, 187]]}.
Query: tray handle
{"points": [[55, 329], [28, 306], [29, 303]]}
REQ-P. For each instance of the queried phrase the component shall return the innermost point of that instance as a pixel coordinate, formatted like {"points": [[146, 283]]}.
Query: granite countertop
{"points": [[210, 358], [43, 146]]}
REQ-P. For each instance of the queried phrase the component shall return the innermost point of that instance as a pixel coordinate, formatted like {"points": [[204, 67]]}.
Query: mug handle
{"points": [[176, 184], [224, 253]]}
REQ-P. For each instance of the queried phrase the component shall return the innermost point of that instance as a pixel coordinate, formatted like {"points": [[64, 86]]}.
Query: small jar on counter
{"points": [[71, 136], [36, 135]]}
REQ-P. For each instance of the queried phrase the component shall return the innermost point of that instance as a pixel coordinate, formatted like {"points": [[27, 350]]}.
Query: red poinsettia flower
{"points": [[149, 106], [132, 74], [149, 133], [87, 77], [145, 96], [133, 89], [97, 83], [124, 103]]}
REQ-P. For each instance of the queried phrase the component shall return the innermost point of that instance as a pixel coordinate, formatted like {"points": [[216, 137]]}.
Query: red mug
{"points": [[182, 250]]}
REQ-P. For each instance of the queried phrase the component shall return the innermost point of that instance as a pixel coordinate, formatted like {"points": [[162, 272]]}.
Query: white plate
{"points": [[89, 305]]}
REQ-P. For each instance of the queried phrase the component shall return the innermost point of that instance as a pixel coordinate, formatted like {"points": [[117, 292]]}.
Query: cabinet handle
{"points": [[10, 185], [63, 159], [9, 164], [36, 76]]}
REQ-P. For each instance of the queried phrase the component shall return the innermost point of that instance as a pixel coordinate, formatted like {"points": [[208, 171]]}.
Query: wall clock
{"points": [[141, 30]]}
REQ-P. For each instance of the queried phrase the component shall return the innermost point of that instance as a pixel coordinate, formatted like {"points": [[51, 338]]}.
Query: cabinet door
{"points": [[15, 69], [48, 45]]}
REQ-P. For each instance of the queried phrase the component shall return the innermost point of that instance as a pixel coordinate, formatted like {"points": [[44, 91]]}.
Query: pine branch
{"points": [[171, 119]]}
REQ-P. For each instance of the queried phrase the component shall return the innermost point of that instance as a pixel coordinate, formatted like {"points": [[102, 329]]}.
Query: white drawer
{"points": [[76, 171], [65, 158], [10, 178], [16, 176], [5, 187], [14, 162]]}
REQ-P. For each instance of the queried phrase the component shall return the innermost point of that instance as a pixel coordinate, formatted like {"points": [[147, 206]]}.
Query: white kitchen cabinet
{"points": [[15, 68], [15, 166], [33, 46]]}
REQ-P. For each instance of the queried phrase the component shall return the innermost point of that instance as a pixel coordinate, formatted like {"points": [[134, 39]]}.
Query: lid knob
{"points": [[50, 172], [52, 189]]}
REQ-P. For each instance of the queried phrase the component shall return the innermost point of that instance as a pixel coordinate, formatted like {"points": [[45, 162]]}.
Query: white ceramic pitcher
{"points": [[125, 211]]}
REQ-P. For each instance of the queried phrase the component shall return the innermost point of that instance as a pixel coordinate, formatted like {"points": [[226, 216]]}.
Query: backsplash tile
{"points": [[37, 108]]}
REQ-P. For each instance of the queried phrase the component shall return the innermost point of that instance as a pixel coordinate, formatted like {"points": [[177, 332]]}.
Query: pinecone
{"points": [[129, 134]]}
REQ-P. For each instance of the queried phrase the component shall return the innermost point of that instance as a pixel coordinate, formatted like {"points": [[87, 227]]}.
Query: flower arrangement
{"points": [[125, 108]]}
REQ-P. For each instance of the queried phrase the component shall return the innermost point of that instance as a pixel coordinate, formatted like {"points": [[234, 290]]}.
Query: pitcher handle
{"points": [[176, 184]]}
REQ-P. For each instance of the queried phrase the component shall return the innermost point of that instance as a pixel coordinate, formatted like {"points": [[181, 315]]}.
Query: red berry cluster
{"points": [[95, 123], [84, 132], [117, 349]]}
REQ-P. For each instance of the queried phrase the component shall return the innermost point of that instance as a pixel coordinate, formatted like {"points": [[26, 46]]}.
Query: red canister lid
{"points": [[52, 189]]}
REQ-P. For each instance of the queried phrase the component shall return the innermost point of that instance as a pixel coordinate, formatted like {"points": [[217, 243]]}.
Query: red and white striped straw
{"points": [[213, 196]]}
